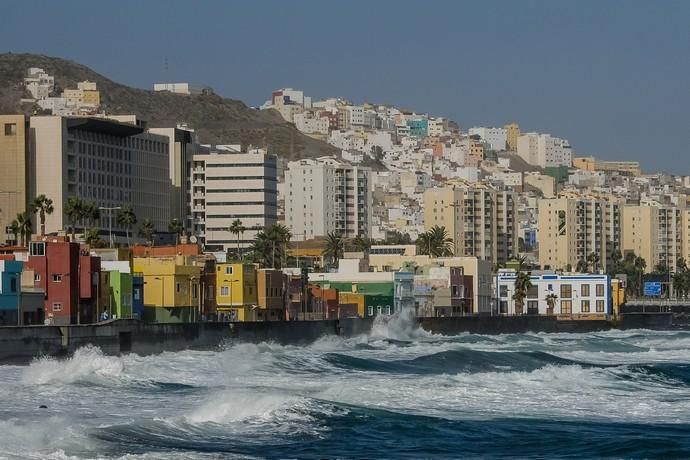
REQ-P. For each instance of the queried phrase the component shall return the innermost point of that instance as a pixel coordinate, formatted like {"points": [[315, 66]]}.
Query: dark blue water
{"points": [[396, 394]]}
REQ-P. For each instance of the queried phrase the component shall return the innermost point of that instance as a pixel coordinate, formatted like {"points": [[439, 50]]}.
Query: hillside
{"points": [[216, 119]]}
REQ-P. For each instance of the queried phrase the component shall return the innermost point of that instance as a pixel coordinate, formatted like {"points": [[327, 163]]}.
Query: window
{"points": [[503, 291], [177, 287], [585, 306], [10, 129], [600, 290], [503, 307], [37, 277], [370, 311], [566, 307], [532, 307], [224, 290], [57, 278], [194, 290], [600, 306], [228, 270], [566, 291], [533, 292], [584, 290], [57, 306], [13, 284], [37, 249], [137, 294]]}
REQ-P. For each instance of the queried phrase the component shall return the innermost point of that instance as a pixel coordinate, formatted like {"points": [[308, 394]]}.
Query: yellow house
{"points": [[171, 289], [617, 295], [236, 291]]}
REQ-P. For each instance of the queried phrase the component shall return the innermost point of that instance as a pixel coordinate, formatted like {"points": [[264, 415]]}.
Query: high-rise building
{"points": [[512, 134], [15, 193], [104, 161], [495, 138], [227, 185], [182, 146], [325, 197], [480, 219], [570, 229], [544, 151], [654, 233]]}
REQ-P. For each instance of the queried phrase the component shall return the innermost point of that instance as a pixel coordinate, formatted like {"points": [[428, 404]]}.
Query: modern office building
{"points": [[570, 229], [227, 185], [326, 196], [104, 161], [480, 219]]}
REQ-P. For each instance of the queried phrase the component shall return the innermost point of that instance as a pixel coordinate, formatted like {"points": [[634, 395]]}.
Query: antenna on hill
{"points": [[165, 68]]}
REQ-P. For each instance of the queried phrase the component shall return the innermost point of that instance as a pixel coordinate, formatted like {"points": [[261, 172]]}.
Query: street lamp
{"points": [[110, 221]]}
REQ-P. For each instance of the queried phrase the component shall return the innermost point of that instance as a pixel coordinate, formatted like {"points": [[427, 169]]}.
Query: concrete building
{"points": [[496, 138], [182, 147], [227, 185], [628, 168], [570, 229], [542, 182], [654, 233], [419, 127], [308, 123], [237, 291], [271, 286], [15, 180], [119, 298], [512, 134], [582, 295], [177, 88], [327, 196], [356, 115], [480, 219], [39, 83], [103, 161], [544, 151]]}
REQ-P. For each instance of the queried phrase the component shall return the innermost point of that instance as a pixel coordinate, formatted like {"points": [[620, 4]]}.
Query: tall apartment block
{"points": [[480, 219], [570, 229], [544, 151], [227, 185], [15, 159], [325, 197], [654, 233], [103, 161]]}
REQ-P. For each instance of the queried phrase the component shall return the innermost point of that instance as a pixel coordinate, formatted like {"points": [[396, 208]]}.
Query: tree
{"points": [[551, 299], [435, 242], [24, 227], [522, 285], [593, 261], [359, 244], [147, 229], [74, 209], [42, 205], [335, 248], [175, 226], [14, 228], [581, 266], [90, 213], [127, 218], [396, 237], [661, 269], [236, 228], [269, 249], [616, 258], [92, 237], [568, 268]]}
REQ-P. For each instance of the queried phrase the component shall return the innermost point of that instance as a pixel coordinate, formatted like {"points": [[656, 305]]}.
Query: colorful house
{"points": [[10, 291], [171, 291], [119, 296], [236, 292], [271, 288]]}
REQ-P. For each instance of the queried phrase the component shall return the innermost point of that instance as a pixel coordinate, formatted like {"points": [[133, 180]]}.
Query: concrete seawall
{"points": [[21, 344]]}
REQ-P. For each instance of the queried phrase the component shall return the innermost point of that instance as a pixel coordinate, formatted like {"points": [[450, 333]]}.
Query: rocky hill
{"points": [[216, 119]]}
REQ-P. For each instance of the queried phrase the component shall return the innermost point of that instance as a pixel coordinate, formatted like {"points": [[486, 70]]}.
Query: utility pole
{"points": [[110, 222]]}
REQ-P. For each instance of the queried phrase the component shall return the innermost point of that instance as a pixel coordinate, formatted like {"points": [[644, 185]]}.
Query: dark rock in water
{"points": [[43, 406]]}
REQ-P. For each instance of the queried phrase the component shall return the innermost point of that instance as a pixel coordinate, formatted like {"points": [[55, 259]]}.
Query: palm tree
{"points": [[522, 285], [335, 248], [269, 249], [435, 242], [92, 237], [14, 228], [175, 226], [581, 266], [73, 210], [236, 228], [147, 229], [593, 261], [360, 244], [551, 299], [126, 218], [43, 205], [90, 213], [24, 226]]}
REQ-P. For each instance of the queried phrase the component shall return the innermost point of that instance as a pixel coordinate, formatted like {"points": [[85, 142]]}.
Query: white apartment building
{"points": [[581, 294], [495, 137], [544, 151], [102, 161], [39, 83], [307, 123], [655, 233], [177, 88], [481, 220], [325, 196], [227, 185], [436, 127], [356, 115]]}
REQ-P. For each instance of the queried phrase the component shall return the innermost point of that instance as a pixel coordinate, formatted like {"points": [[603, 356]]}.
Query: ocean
{"points": [[396, 393]]}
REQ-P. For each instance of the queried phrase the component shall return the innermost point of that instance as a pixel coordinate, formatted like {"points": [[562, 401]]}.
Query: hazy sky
{"points": [[610, 76]]}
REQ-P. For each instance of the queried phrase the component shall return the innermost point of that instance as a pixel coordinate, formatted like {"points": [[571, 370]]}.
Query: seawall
{"points": [[21, 344]]}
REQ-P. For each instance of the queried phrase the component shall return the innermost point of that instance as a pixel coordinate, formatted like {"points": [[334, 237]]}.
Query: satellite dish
{"points": [[192, 239]]}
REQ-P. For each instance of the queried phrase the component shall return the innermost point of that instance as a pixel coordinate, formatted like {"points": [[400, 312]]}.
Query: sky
{"points": [[612, 77]]}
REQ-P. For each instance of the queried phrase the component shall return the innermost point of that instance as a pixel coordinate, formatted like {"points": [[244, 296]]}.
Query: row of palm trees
{"points": [[522, 286], [22, 225]]}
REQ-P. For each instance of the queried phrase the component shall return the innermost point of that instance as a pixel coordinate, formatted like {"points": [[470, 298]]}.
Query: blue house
{"points": [[10, 290], [138, 295], [418, 127]]}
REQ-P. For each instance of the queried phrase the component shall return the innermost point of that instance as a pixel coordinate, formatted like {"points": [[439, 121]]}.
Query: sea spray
{"points": [[401, 325]]}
